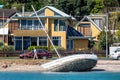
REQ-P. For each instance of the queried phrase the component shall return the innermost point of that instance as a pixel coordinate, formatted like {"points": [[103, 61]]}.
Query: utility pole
{"points": [[107, 35], [3, 29]]}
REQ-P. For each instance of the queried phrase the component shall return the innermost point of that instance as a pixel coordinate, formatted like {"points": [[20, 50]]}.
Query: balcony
{"points": [[29, 33]]}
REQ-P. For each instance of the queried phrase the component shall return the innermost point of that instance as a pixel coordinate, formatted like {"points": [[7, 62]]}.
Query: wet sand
{"points": [[102, 65]]}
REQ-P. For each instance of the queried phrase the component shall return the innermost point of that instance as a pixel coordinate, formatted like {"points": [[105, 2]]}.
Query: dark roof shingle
{"points": [[7, 13]]}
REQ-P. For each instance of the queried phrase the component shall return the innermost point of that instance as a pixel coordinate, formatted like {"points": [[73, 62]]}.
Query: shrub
{"points": [[1, 43], [8, 48], [37, 47], [57, 47]]}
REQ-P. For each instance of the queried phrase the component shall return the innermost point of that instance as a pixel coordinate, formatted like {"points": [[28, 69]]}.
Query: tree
{"points": [[102, 40], [117, 36], [114, 18], [98, 6]]}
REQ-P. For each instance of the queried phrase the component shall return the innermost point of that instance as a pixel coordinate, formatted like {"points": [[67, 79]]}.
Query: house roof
{"points": [[74, 34], [41, 14], [89, 19], [7, 13], [54, 10]]}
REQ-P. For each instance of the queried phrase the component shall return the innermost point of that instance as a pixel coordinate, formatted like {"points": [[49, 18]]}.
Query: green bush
{"points": [[8, 48], [57, 47], [37, 47], [1, 43]]}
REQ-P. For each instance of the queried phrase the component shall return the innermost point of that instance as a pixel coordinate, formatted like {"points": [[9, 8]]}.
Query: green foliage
{"points": [[76, 8], [57, 47], [37, 47], [118, 35], [98, 6], [114, 18], [8, 48], [102, 40], [1, 44]]}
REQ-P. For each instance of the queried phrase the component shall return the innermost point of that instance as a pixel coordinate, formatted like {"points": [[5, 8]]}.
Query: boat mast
{"points": [[46, 32]]}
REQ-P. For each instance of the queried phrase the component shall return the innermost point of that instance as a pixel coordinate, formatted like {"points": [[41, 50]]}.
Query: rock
{"points": [[4, 66]]}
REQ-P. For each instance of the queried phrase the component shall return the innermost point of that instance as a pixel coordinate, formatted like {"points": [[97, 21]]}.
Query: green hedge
{"points": [[57, 47], [37, 47], [7, 48]]}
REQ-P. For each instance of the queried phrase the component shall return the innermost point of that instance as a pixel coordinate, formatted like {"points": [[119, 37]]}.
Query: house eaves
{"points": [[56, 17], [89, 19], [78, 37], [62, 14]]}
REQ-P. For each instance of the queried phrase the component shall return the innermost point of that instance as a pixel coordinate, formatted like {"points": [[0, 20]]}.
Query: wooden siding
{"points": [[84, 30], [13, 25], [80, 44]]}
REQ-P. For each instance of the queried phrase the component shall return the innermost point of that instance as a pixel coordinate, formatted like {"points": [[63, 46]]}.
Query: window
{"points": [[56, 41], [85, 25], [43, 41], [98, 22], [56, 25], [36, 24], [59, 25], [69, 44], [26, 42], [31, 24], [23, 24], [18, 41]]}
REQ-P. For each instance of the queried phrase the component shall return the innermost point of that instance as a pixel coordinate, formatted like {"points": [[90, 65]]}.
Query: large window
{"points": [[69, 44], [23, 25], [26, 42], [18, 43], [31, 24], [56, 41], [59, 25], [43, 41], [98, 22]]}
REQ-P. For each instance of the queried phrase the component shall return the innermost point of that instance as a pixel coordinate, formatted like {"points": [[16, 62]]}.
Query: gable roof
{"points": [[62, 14], [89, 19], [74, 34], [7, 13]]}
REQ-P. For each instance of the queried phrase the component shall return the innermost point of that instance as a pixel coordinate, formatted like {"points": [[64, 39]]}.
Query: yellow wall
{"points": [[95, 32], [80, 44], [50, 28], [6, 26], [49, 12]]}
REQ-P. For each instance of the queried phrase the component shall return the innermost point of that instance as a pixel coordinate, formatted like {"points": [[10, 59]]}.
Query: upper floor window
{"points": [[98, 22], [31, 24], [59, 25]]}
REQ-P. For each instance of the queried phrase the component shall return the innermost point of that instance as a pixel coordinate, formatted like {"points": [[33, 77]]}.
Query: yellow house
{"points": [[92, 25], [28, 31]]}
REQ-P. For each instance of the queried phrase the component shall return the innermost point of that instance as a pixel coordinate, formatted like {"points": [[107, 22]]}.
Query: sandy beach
{"points": [[108, 65], [102, 65]]}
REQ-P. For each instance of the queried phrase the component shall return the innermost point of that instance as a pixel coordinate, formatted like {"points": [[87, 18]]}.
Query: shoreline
{"points": [[102, 65]]}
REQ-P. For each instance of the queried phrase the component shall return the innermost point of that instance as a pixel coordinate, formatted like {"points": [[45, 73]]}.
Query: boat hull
{"points": [[78, 63]]}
